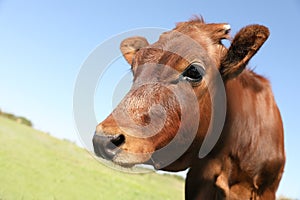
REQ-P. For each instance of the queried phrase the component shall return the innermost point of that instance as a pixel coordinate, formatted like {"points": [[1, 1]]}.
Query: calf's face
{"points": [[166, 114]]}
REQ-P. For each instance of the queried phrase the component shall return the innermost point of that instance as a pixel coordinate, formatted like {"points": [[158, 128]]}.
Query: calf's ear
{"points": [[131, 45], [243, 47]]}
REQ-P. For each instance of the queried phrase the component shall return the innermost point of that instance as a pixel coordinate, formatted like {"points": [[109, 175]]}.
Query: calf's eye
{"points": [[193, 73]]}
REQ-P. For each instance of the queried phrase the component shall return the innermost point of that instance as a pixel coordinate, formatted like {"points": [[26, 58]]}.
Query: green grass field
{"points": [[34, 165]]}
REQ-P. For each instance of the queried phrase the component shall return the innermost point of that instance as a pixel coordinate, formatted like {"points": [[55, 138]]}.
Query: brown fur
{"points": [[248, 160]]}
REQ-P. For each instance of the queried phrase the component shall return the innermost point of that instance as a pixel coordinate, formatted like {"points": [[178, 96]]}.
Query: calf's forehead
{"points": [[176, 50]]}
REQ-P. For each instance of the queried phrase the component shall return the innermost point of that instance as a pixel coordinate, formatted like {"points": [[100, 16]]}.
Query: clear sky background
{"points": [[44, 43]]}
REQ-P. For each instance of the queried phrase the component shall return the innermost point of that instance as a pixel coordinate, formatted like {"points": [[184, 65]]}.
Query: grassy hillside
{"points": [[19, 119], [34, 165]]}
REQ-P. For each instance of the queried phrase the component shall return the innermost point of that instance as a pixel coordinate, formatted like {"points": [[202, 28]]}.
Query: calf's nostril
{"points": [[107, 146], [115, 142]]}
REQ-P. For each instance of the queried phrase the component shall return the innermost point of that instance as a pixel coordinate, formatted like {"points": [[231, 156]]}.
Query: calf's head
{"points": [[166, 114]]}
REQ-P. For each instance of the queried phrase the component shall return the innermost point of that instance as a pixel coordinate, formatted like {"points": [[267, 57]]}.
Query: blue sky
{"points": [[44, 43]]}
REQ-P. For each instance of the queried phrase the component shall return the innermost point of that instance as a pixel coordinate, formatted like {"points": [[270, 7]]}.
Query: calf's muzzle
{"points": [[107, 146]]}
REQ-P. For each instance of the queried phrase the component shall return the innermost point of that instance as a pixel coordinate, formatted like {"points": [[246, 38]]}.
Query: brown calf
{"points": [[166, 116]]}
